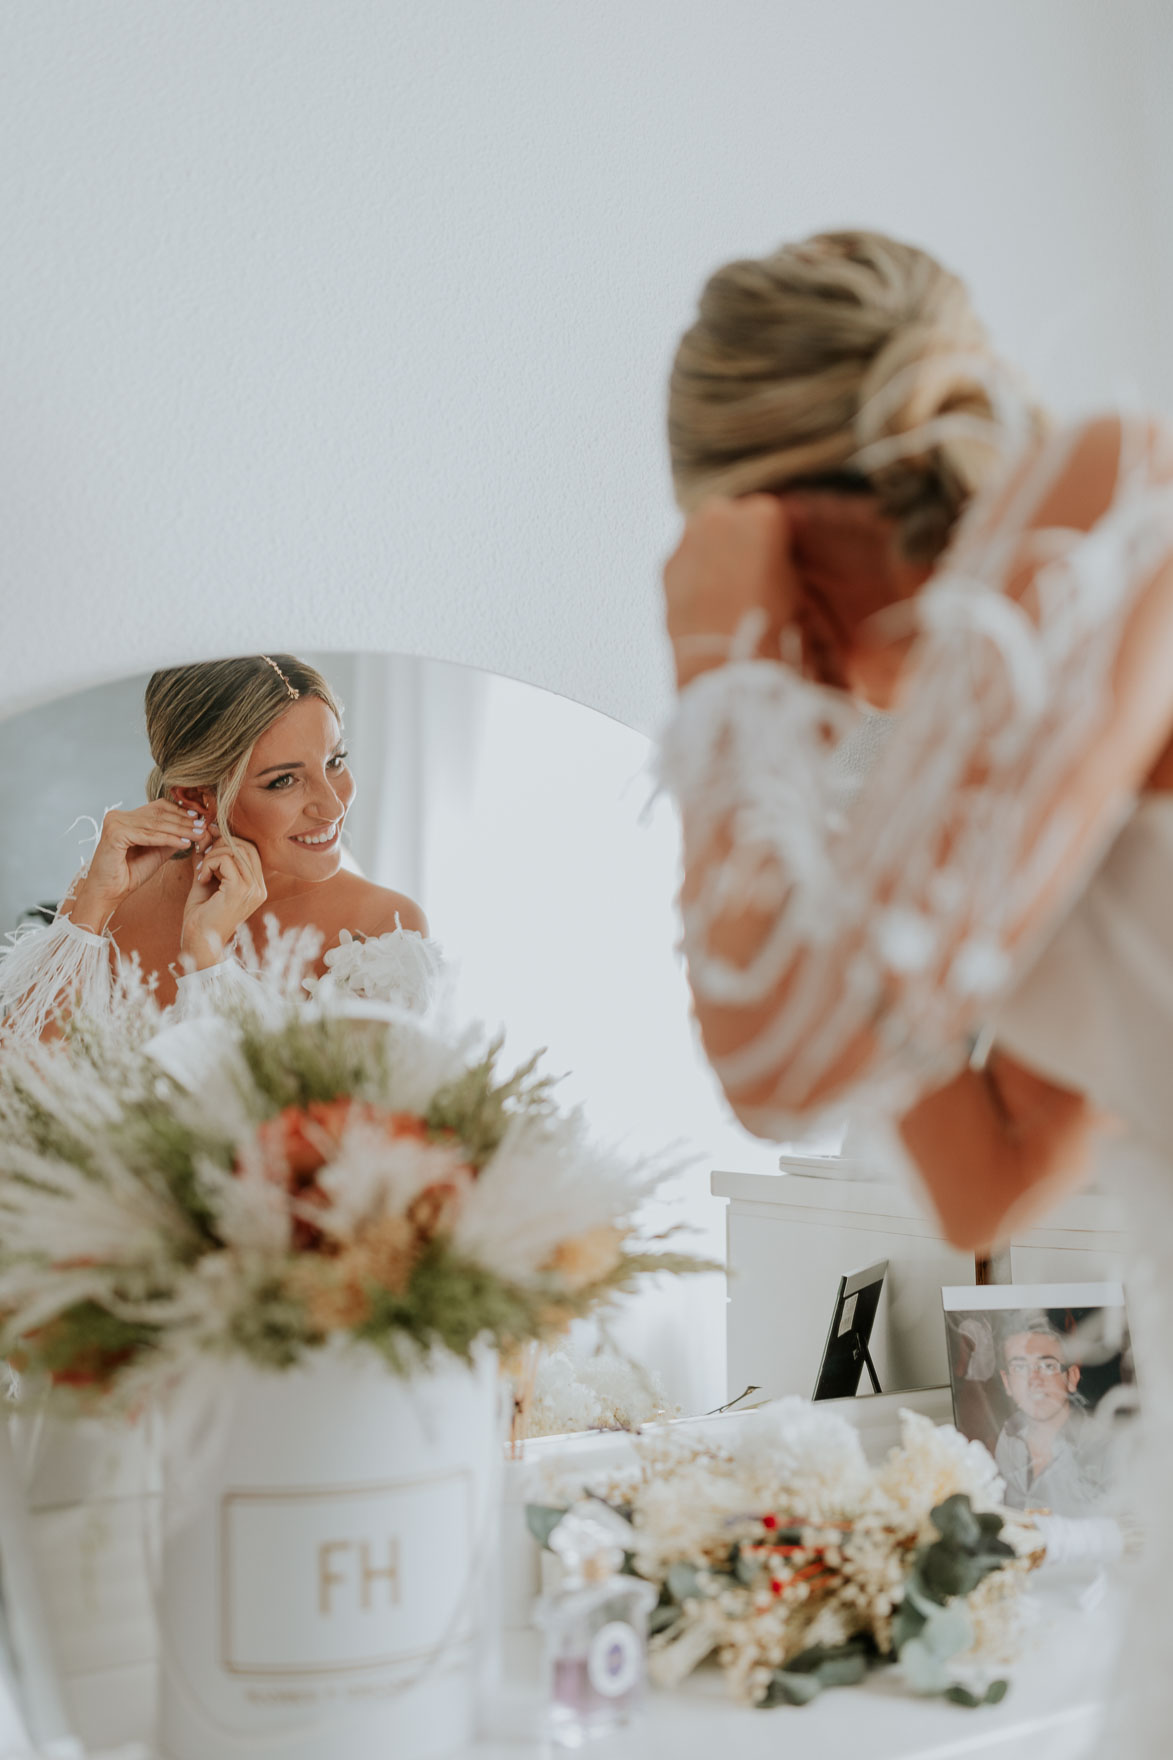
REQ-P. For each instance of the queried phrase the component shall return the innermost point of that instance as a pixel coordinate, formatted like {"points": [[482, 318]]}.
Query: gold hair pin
{"points": [[294, 694]]}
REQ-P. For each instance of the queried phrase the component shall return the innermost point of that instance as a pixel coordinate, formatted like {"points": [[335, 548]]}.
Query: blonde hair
{"points": [[203, 721], [850, 360]]}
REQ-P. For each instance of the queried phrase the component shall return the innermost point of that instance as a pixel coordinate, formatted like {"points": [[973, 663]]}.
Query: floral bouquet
{"points": [[263, 1187], [799, 1566]]}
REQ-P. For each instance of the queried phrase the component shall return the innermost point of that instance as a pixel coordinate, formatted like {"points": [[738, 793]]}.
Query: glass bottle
{"points": [[595, 1627]]}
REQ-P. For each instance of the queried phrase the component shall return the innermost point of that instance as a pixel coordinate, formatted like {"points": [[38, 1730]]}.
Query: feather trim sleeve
{"points": [[216, 990], [844, 949], [49, 970]]}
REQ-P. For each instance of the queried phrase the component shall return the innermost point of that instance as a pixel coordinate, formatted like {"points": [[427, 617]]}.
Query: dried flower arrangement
{"points": [[270, 1183], [799, 1566]]}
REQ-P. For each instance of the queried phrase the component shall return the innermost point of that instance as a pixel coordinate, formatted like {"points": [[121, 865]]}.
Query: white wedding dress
{"points": [[1095, 1013], [46, 963], [892, 917]]}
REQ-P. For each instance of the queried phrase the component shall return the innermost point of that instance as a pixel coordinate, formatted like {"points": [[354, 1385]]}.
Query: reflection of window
{"points": [[559, 906]]}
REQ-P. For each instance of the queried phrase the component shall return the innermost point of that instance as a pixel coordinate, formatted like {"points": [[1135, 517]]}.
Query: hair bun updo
{"points": [[204, 719], [848, 356]]}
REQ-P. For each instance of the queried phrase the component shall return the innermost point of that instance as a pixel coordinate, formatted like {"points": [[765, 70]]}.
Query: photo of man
{"points": [[1040, 1376], [1051, 1455]]}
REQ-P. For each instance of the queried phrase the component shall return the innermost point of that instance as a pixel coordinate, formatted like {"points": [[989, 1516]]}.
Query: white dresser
{"points": [[791, 1236]]}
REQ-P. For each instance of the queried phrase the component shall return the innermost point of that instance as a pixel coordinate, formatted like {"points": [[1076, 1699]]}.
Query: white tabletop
{"points": [[1051, 1712]]}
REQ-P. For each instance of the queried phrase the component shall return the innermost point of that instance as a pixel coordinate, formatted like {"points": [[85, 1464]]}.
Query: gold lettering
{"points": [[389, 1573], [327, 1577]]}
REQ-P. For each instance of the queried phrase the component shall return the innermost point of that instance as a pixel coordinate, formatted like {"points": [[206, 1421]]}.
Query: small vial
{"points": [[596, 1630]]}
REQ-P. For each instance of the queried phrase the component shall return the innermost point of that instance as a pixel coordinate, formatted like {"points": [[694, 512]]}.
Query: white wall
{"points": [[344, 324]]}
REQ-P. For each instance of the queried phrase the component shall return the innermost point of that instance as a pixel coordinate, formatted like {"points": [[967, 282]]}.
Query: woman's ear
{"points": [[202, 800]]}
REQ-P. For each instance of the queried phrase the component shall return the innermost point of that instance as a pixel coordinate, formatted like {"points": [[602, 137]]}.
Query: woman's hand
{"points": [[227, 888], [815, 565], [131, 849], [733, 559], [851, 570]]}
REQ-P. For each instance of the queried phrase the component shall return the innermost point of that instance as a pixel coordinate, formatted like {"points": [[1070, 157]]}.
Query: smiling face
{"points": [[295, 796], [1035, 1376]]}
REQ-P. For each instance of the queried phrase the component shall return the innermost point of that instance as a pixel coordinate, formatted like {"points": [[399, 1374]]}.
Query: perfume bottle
{"points": [[595, 1626]]}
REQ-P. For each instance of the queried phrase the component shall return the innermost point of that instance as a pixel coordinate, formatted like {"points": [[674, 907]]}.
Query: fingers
{"points": [[733, 558], [237, 870], [154, 826]]}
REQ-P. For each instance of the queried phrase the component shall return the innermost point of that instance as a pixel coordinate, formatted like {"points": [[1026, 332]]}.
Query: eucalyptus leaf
{"points": [[993, 1695], [914, 1592], [908, 1622], [661, 1619], [954, 1520], [807, 1661], [946, 1571], [949, 1631], [790, 1689], [836, 1665], [924, 1672], [541, 1519], [683, 1582], [843, 1671]]}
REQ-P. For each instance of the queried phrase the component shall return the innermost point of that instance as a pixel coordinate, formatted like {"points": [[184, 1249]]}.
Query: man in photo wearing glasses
{"points": [[1050, 1452]]}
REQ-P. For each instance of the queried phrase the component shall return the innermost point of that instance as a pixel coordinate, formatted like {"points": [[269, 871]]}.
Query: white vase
{"points": [[326, 1597], [91, 1496]]}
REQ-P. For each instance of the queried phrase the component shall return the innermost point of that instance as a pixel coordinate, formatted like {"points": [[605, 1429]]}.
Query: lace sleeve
{"points": [[843, 949]]}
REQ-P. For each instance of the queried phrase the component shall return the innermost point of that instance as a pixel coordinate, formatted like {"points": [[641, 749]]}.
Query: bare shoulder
{"points": [[1099, 454], [376, 910]]}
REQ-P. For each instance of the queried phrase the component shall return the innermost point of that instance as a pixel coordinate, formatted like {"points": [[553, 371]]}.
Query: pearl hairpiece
{"points": [[294, 694]]}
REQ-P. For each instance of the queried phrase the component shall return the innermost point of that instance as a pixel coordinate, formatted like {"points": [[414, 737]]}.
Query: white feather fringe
{"points": [[51, 967]]}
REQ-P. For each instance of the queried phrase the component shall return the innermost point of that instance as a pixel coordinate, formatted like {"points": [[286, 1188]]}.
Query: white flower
{"points": [[546, 1183], [599, 1392], [561, 1401], [934, 1462], [252, 1211], [694, 1514], [805, 1460]]}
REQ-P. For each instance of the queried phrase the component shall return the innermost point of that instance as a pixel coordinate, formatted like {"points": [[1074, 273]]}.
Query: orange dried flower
{"points": [[585, 1258], [301, 1140], [385, 1253], [434, 1210], [334, 1300]]}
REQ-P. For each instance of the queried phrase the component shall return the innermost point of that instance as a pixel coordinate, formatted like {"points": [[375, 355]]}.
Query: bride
{"points": [[240, 841], [877, 517]]}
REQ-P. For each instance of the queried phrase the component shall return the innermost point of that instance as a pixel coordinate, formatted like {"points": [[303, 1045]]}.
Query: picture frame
{"points": [[846, 1354], [1042, 1375]]}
